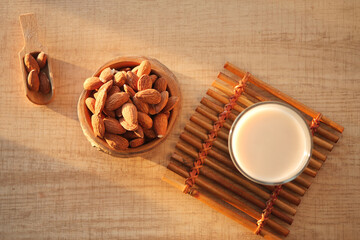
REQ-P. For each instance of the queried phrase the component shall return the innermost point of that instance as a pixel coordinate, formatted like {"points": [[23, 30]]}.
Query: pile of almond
{"points": [[129, 107], [37, 79]]}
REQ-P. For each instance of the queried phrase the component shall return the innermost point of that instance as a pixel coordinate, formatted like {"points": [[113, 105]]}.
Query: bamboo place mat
{"points": [[217, 182]]}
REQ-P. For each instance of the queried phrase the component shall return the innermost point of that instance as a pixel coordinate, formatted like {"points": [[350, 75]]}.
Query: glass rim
{"points": [[231, 149]]}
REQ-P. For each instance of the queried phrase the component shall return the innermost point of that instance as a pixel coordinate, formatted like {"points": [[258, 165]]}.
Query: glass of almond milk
{"points": [[270, 143]]}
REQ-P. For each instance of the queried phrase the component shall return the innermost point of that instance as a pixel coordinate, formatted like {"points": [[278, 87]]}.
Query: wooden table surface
{"points": [[54, 185]]}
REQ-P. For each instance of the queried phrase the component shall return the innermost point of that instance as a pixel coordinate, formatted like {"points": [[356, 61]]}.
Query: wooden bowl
{"points": [[120, 62]]}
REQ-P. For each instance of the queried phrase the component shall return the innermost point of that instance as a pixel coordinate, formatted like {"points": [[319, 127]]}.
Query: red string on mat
{"points": [[207, 144], [315, 123], [269, 206]]}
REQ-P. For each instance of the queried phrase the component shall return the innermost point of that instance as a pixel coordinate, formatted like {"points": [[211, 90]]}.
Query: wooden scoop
{"points": [[33, 46]]}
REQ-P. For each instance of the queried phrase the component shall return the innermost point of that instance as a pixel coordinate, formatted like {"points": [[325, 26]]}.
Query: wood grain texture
{"points": [[54, 185]]}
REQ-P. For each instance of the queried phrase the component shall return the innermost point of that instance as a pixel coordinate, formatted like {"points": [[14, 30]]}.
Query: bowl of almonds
{"points": [[129, 105]]}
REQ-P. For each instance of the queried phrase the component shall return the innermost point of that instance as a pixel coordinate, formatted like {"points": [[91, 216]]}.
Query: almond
{"points": [[129, 135], [173, 100], [144, 120], [132, 80], [109, 113], [106, 87], [113, 89], [128, 126], [139, 132], [161, 84], [118, 112], [92, 83], [102, 115], [120, 78], [137, 142], [153, 78], [100, 101], [107, 74], [116, 142], [167, 114], [129, 90], [129, 113], [140, 105], [41, 59], [98, 126], [90, 103], [116, 100], [144, 68], [33, 80], [160, 125], [163, 102], [152, 110], [31, 63], [149, 133], [113, 126], [125, 69], [135, 69], [45, 86], [144, 83], [150, 96]]}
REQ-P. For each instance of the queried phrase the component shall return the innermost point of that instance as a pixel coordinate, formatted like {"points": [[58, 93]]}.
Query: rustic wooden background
{"points": [[54, 185]]}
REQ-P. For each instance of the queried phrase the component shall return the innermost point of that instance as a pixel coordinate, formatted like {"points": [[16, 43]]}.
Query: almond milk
{"points": [[270, 143]]}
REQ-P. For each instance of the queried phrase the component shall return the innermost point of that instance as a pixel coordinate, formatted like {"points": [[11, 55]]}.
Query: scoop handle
{"points": [[30, 31]]}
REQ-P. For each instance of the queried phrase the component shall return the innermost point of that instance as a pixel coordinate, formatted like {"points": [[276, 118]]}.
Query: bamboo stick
{"points": [[200, 109], [310, 172], [315, 164], [242, 99], [234, 187], [223, 99], [325, 133], [287, 195], [234, 175], [174, 180], [178, 182], [312, 113], [322, 143], [192, 152], [303, 181], [217, 108], [232, 82], [195, 142], [228, 197], [204, 136], [208, 126], [319, 155]]}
